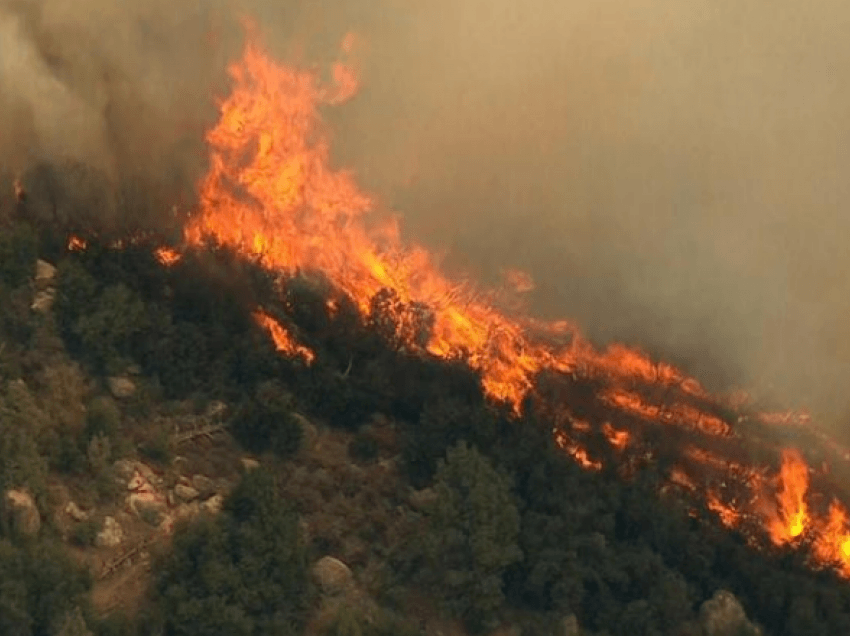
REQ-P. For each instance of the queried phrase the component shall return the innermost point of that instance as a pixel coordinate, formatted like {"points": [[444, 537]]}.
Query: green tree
{"points": [[472, 535], [242, 573], [39, 586]]}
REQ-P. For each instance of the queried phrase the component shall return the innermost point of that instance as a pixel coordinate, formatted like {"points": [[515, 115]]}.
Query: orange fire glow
{"points": [[76, 244], [618, 439], [167, 256], [792, 515], [271, 194], [283, 340]]}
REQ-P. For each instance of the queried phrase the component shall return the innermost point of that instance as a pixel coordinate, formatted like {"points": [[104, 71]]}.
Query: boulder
{"points": [[213, 505], [333, 576], [121, 387], [249, 464], [44, 273], [110, 535], [723, 614], [204, 485], [75, 512], [43, 300], [25, 516], [185, 493], [147, 506]]}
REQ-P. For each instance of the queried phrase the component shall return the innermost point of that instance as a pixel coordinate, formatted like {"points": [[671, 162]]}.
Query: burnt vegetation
{"points": [[603, 546]]}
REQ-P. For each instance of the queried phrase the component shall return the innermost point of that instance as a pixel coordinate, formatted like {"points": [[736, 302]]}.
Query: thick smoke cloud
{"points": [[671, 174]]}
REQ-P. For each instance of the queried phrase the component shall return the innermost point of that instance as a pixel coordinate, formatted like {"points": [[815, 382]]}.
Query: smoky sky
{"points": [[673, 175]]}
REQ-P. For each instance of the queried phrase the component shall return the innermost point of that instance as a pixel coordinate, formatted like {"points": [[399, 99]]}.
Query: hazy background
{"points": [[672, 174]]}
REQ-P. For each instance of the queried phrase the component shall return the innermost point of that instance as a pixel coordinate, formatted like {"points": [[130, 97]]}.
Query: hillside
{"points": [[166, 468]]}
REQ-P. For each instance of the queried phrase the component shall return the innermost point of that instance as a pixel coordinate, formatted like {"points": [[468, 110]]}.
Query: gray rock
{"points": [[110, 535], [25, 516], [185, 493], [333, 576], [121, 387], [44, 271], [204, 485], [43, 301], [147, 507], [249, 464], [75, 512], [722, 614], [213, 505]]}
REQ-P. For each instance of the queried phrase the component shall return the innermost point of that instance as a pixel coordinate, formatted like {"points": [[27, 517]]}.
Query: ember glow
{"points": [[271, 194], [76, 244]]}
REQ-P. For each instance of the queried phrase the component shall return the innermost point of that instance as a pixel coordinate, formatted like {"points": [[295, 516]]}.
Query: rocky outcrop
{"points": [[24, 513], [144, 500], [75, 512], [723, 614], [213, 505], [204, 485], [45, 287], [110, 535], [249, 464], [44, 274], [185, 493], [333, 576]]}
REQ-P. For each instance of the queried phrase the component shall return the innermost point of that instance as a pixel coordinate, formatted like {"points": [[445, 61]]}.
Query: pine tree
{"points": [[473, 532]]}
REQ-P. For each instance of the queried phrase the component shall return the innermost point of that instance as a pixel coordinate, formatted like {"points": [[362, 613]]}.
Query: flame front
{"points": [[271, 193]]}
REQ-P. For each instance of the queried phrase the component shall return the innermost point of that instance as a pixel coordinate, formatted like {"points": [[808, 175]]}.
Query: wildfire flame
{"points": [[270, 193], [793, 514], [283, 340], [76, 244]]}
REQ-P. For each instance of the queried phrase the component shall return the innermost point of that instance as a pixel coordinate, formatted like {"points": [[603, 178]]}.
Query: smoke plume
{"points": [[670, 174]]}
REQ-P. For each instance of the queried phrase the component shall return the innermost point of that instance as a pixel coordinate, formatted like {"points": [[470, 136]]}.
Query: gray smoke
{"points": [[671, 174]]}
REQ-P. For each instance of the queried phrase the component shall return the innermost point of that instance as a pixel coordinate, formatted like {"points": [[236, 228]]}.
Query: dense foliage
{"points": [[241, 573], [39, 587], [472, 535]]}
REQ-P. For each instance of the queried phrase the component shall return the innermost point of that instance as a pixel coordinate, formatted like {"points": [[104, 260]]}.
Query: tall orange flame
{"points": [[793, 515], [271, 193]]}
